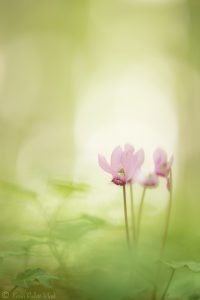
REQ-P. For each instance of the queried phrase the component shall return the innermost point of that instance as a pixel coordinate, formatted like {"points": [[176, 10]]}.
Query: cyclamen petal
{"points": [[162, 165], [160, 156], [136, 175], [127, 165], [139, 157], [134, 164], [129, 148], [104, 164], [116, 159], [149, 181]]}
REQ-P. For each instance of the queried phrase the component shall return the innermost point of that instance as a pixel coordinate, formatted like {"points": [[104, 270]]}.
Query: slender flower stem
{"points": [[165, 235], [164, 240], [140, 213], [168, 284], [126, 217], [132, 213]]}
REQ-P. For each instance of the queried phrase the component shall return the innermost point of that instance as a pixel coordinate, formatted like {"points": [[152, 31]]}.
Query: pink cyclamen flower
{"points": [[162, 165], [124, 164], [149, 181]]}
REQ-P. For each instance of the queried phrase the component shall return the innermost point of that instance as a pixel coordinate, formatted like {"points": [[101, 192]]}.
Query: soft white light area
{"points": [[135, 106], [38, 160]]}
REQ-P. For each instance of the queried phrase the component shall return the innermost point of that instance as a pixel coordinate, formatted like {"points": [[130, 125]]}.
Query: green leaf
{"points": [[186, 287], [77, 228], [194, 266], [66, 189], [38, 233], [32, 277], [93, 219], [16, 191], [25, 245], [5, 254], [191, 265]]}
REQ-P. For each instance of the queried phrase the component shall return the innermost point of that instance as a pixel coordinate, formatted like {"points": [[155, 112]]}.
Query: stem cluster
{"points": [[135, 223], [163, 245], [136, 228]]}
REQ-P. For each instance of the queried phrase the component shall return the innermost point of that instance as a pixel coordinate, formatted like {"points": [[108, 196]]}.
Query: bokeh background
{"points": [[78, 78]]}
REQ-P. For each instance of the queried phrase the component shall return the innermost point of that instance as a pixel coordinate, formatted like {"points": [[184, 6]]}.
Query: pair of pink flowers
{"points": [[125, 166]]}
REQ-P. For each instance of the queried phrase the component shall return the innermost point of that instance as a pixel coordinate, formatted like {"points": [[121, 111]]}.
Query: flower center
{"points": [[150, 176], [121, 173], [164, 167]]}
